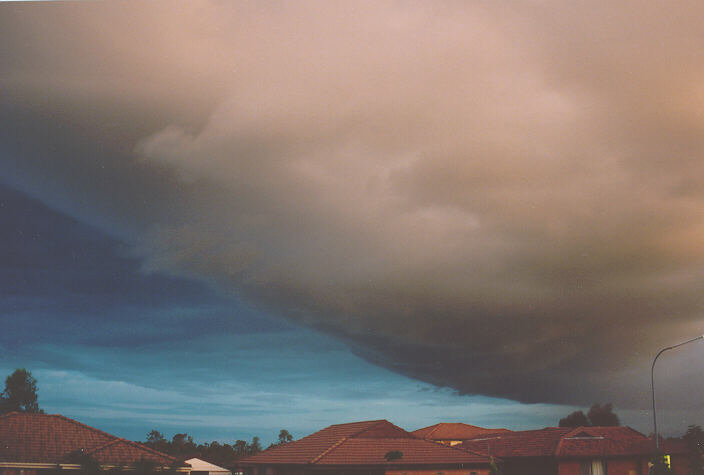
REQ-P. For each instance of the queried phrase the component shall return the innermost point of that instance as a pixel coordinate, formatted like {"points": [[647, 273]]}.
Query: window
{"points": [[592, 467]]}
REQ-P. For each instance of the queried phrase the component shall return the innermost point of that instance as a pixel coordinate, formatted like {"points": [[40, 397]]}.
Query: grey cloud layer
{"points": [[504, 199]]}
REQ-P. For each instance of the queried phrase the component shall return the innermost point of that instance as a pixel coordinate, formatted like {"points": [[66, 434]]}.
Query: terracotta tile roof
{"points": [[363, 443], [52, 438], [526, 443], [453, 431], [126, 452], [564, 442]]}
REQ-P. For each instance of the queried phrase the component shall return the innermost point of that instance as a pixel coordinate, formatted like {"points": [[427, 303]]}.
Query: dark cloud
{"points": [[501, 199], [63, 281]]}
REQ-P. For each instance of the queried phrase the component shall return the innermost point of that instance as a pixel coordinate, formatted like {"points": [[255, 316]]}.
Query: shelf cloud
{"points": [[505, 199]]}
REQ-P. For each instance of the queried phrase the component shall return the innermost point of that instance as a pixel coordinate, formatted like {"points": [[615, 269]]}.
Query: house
{"points": [[575, 451], [201, 467], [36, 444], [453, 433], [370, 447]]}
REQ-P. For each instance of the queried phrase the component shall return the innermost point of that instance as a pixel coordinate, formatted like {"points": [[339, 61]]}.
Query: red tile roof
{"points": [[453, 431], [126, 452], [51, 438], [527, 443], [364, 443], [415, 452], [564, 442]]}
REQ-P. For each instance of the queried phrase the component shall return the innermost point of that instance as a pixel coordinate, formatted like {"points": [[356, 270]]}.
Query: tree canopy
{"points": [[603, 415], [182, 445], [284, 438], [575, 419], [598, 415], [20, 393]]}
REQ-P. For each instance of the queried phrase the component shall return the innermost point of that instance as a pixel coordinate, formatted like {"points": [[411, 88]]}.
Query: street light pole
{"points": [[652, 383]]}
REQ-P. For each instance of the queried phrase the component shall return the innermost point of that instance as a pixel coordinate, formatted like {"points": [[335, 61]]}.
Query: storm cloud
{"points": [[505, 199]]}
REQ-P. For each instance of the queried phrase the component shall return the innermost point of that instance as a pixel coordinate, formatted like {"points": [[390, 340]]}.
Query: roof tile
{"points": [[363, 443], [52, 438], [453, 431], [564, 442]]}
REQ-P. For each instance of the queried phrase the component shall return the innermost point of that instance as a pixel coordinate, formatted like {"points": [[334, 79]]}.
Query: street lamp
{"points": [[652, 383]]}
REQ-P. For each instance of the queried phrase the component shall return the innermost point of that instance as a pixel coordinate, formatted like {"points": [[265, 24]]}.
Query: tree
{"points": [[155, 437], [240, 448], [182, 444], [575, 419], [20, 393], [603, 415], [255, 447], [156, 440], [285, 437], [598, 415]]}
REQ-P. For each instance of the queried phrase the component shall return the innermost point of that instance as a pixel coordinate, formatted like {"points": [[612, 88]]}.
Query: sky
{"points": [[234, 217]]}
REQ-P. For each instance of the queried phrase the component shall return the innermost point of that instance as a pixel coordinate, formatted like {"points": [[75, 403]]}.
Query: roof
{"points": [[52, 438], [453, 431], [364, 443], [198, 465], [564, 442], [526, 443]]}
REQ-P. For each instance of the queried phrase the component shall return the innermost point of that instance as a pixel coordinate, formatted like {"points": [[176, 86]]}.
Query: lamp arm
{"points": [[652, 383]]}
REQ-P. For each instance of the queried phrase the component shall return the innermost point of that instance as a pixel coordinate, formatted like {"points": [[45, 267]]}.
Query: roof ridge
{"points": [[465, 424], [376, 423], [436, 427], [101, 447], [633, 430], [558, 447], [457, 447], [85, 426], [317, 458], [116, 440], [589, 430], [513, 433], [343, 439], [64, 418], [148, 449]]}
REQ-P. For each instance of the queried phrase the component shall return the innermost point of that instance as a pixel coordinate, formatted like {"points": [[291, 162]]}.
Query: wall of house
{"points": [[299, 471], [680, 464], [626, 466], [465, 471], [17, 471], [272, 470], [623, 467], [530, 466], [571, 467]]}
